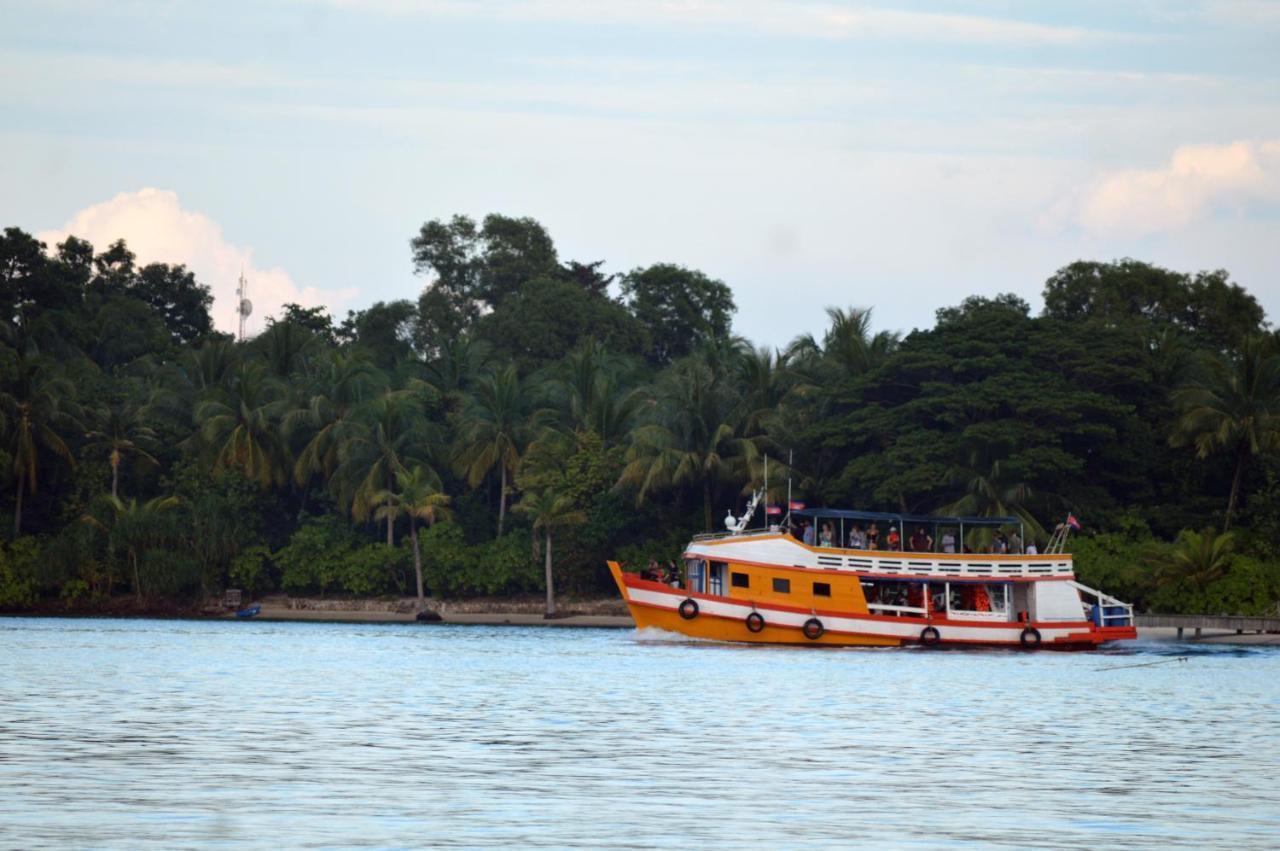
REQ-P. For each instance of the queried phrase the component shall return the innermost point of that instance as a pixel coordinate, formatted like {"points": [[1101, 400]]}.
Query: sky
{"points": [[897, 156]]}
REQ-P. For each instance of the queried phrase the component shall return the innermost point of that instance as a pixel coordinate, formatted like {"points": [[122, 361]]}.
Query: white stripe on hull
{"points": [[888, 628]]}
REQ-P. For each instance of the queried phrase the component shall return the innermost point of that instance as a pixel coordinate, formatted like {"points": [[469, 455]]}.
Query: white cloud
{"points": [[1197, 181], [774, 17], [158, 230]]}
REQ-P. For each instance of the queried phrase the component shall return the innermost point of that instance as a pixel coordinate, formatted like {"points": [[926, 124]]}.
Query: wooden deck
{"points": [[1239, 624]]}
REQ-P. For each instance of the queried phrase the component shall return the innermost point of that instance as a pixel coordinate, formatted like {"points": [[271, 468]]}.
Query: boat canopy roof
{"points": [[929, 519]]}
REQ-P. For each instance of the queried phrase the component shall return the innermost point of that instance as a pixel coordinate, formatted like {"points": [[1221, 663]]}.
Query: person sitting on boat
{"points": [[921, 541], [1032, 549], [673, 573], [894, 541], [873, 536], [826, 538], [857, 539], [653, 572], [948, 542]]}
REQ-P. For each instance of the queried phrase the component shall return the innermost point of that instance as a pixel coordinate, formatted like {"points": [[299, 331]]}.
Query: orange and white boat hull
{"points": [[717, 618]]}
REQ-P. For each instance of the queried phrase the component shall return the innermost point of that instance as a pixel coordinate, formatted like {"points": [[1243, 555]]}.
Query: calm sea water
{"points": [[162, 734]]}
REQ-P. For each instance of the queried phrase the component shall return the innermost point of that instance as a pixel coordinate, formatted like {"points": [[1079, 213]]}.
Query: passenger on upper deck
{"points": [[921, 541], [1015, 544], [948, 542], [857, 538], [808, 532], [894, 541], [873, 536], [826, 538]]}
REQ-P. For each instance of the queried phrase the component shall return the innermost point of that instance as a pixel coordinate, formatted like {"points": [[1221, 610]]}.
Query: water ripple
{"points": [[159, 734]]}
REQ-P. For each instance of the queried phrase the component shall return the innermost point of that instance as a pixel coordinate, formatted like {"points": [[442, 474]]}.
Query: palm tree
{"points": [[494, 429], [121, 430], [1234, 406], [695, 440], [391, 436], [285, 346], [549, 512], [988, 489], [35, 410], [848, 346], [212, 365], [766, 379], [593, 395], [457, 365], [238, 424], [347, 381], [1196, 559], [417, 496], [132, 527]]}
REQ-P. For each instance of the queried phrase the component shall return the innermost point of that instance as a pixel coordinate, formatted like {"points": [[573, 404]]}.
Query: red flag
{"points": [[773, 509], [797, 506], [1073, 522]]}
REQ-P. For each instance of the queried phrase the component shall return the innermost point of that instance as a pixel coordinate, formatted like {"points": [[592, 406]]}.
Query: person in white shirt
{"points": [[948, 542]]}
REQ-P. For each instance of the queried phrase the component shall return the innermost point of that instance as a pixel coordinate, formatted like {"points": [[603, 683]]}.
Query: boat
{"points": [[251, 611], [769, 586]]}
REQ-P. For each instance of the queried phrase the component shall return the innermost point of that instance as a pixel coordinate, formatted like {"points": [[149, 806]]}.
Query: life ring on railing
{"points": [[689, 608], [930, 636], [755, 622], [813, 629], [1030, 637]]}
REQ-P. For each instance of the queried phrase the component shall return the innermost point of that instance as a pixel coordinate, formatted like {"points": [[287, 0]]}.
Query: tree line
{"points": [[526, 405]]}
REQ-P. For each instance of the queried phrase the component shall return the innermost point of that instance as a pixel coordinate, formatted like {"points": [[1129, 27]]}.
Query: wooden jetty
{"points": [[1239, 624]]}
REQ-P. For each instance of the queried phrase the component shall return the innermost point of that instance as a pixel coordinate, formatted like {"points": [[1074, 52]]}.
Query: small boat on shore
{"points": [[250, 612], [770, 586]]}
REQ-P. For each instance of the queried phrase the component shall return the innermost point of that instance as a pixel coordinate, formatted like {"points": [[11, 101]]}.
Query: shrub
{"points": [[19, 566]]}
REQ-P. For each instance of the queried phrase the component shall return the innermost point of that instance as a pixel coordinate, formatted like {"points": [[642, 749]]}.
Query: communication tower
{"points": [[243, 306]]}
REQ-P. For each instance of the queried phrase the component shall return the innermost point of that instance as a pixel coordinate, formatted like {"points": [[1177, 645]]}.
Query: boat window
{"points": [[715, 580], [822, 589], [975, 597], [740, 580], [693, 570], [782, 586]]}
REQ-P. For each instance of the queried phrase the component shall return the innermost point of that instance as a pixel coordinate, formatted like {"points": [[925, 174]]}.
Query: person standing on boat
{"points": [[857, 540], [894, 541], [948, 542], [873, 536], [808, 533], [921, 541], [827, 538], [1015, 544]]}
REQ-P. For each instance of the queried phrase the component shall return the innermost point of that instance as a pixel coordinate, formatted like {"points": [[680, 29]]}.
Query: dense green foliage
{"points": [[518, 411]]}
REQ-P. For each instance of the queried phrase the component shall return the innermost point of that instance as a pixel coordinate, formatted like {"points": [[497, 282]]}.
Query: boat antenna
{"points": [[791, 460], [766, 490]]}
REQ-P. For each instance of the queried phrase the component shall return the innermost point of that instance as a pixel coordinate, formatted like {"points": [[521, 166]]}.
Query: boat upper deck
{"points": [[777, 549]]}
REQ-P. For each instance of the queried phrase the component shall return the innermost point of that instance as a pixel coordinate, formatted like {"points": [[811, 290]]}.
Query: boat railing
{"points": [[1107, 610], [747, 533], [900, 610]]}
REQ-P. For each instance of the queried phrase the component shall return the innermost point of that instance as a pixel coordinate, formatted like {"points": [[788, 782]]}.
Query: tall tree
{"points": [[239, 425], [120, 430], [328, 417], [1233, 406], [694, 440], [182, 302], [493, 431], [37, 409], [392, 436], [682, 308], [132, 527], [417, 496], [550, 511]]}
